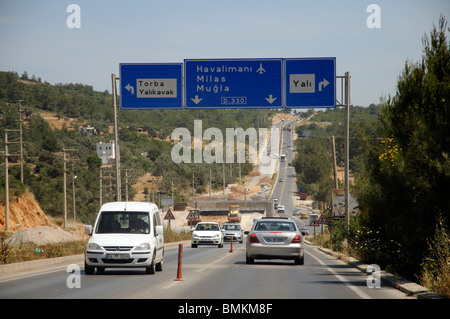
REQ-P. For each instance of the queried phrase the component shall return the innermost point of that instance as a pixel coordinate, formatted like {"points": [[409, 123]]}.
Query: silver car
{"points": [[233, 230], [274, 238]]}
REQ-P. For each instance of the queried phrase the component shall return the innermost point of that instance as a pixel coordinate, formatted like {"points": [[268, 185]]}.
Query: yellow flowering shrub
{"points": [[390, 155]]}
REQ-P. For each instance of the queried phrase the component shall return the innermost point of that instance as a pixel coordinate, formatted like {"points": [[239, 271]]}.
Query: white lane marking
{"points": [[358, 291]]}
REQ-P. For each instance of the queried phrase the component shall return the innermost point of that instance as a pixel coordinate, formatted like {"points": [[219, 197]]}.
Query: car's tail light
{"points": [[297, 239], [253, 238]]}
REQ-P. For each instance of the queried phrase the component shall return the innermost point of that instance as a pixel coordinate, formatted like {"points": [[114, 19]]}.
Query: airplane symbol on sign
{"points": [[261, 69]]}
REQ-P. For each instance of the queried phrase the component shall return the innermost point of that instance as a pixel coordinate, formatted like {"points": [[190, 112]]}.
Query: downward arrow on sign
{"points": [[271, 99], [196, 100]]}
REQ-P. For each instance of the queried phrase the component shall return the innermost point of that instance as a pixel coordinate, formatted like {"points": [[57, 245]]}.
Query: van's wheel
{"points": [[159, 266], [151, 269], [88, 270]]}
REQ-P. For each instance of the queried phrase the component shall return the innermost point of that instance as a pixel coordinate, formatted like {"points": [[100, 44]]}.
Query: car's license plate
{"points": [[275, 239], [117, 256]]}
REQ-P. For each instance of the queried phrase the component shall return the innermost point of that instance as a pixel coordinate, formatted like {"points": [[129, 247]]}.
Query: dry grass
{"points": [[171, 235], [30, 251]]}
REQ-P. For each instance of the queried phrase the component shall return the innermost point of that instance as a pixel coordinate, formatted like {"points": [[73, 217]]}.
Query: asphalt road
{"points": [[208, 272]]}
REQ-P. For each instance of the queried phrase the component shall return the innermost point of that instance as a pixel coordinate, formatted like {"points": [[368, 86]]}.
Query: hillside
{"points": [[24, 212]]}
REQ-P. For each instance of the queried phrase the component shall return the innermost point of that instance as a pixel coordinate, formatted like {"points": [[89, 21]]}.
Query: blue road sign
{"points": [[233, 83], [310, 82], [151, 86]]}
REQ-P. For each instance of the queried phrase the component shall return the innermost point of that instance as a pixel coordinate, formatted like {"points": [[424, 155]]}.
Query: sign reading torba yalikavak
{"points": [[147, 86], [233, 83]]}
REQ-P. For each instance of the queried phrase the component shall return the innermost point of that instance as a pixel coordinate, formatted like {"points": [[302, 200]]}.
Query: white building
{"points": [[106, 152]]}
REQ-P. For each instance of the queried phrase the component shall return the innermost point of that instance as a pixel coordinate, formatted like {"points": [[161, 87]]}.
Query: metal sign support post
{"points": [[345, 102], [347, 144], [116, 136]]}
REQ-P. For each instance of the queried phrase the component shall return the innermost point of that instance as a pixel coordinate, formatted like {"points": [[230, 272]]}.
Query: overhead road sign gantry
{"points": [[151, 85], [233, 83], [310, 82]]}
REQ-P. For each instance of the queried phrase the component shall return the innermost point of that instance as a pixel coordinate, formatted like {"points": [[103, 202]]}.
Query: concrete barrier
{"points": [[249, 206]]}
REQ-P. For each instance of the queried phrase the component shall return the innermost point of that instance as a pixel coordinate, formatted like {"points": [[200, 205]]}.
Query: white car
{"points": [[125, 234], [207, 233]]}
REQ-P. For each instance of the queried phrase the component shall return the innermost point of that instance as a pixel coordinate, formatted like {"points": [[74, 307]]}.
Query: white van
{"points": [[125, 234]]}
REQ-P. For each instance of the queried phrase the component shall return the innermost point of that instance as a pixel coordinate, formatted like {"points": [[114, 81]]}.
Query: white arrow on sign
{"points": [[196, 100], [323, 84], [130, 89], [271, 99]]}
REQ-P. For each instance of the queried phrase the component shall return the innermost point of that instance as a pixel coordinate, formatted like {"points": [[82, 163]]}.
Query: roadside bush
{"points": [[436, 266]]}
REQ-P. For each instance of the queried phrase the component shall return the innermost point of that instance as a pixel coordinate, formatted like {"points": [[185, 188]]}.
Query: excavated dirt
{"points": [[28, 223]]}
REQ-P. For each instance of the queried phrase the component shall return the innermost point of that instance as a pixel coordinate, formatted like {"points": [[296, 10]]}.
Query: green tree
{"points": [[405, 186], [313, 167]]}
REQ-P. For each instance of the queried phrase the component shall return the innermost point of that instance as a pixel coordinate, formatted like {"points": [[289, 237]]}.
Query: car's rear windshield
{"points": [[275, 226], [207, 227], [124, 222], [231, 227]]}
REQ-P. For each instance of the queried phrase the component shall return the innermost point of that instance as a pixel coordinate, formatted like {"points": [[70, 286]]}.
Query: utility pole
{"points": [[333, 149], [6, 183], [104, 175], [223, 176], [65, 183], [7, 177], [126, 182], [21, 139], [74, 177], [126, 185], [101, 188], [193, 189]]}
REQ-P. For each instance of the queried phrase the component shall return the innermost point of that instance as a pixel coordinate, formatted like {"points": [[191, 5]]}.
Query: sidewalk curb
{"points": [[405, 286], [27, 267]]}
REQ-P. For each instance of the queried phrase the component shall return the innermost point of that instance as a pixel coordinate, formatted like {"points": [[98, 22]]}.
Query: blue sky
{"points": [[34, 36]]}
